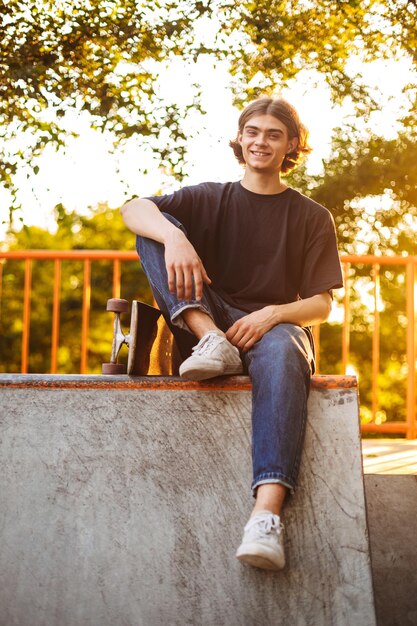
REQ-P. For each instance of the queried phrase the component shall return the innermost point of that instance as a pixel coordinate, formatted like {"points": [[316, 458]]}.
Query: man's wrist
{"points": [[277, 314], [171, 233]]}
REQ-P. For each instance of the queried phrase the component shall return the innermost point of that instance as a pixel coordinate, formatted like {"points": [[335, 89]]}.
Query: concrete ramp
{"points": [[123, 502]]}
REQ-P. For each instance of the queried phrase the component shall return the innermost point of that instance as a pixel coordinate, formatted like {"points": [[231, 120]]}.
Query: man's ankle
{"points": [[200, 323]]}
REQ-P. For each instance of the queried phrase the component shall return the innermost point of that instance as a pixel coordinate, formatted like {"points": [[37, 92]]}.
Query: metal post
{"points": [[346, 320], [375, 342], [411, 354], [55, 316], [26, 315], [85, 315]]}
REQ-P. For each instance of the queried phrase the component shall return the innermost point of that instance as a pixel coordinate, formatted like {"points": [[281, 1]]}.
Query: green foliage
{"points": [[281, 39], [98, 57], [370, 188], [286, 37], [103, 229], [91, 54], [102, 58], [364, 169]]}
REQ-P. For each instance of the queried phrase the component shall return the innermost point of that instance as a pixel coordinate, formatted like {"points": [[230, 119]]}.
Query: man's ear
{"points": [[239, 138], [293, 143]]}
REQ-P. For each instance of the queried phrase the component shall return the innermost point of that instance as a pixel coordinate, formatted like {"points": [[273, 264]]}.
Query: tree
{"points": [[102, 58], [99, 57], [282, 38], [370, 169]]}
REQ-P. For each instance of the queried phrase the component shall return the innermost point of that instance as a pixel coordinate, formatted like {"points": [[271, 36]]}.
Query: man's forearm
{"points": [[185, 269], [144, 218], [247, 330], [308, 312]]}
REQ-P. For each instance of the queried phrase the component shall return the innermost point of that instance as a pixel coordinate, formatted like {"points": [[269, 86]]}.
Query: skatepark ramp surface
{"points": [[124, 500]]}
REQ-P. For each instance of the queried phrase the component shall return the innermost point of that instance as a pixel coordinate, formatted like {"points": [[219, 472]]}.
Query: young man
{"points": [[247, 267]]}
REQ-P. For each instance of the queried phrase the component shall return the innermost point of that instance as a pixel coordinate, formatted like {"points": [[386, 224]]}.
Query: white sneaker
{"points": [[263, 542], [212, 356]]}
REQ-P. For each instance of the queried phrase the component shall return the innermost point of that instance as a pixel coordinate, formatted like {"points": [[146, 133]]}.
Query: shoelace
{"points": [[264, 526], [207, 344]]}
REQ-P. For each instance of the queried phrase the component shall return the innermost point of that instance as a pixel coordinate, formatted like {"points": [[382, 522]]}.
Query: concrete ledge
{"points": [[124, 506], [392, 519], [92, 381]]}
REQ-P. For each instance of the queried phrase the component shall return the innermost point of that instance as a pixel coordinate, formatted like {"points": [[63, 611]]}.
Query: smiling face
{"points": [[265, 142]]}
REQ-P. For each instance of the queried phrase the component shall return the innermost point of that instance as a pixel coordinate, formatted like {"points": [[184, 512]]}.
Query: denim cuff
{"points": [[176, 318], [272, 478]]}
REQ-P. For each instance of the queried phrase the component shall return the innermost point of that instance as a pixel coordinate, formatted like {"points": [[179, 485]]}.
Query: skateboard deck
{"points": [[153, 349]]}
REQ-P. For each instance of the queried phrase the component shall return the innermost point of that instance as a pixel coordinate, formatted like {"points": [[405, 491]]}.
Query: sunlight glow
{"points": [[87, 173], [351, 371]]}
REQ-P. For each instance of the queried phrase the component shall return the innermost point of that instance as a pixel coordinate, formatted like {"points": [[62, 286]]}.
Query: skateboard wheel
{"points": [[113, 368], [117, 305]]}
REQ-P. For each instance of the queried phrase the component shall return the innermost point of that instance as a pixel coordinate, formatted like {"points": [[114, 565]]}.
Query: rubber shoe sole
{"points": [[203, 372], [260, 556]]}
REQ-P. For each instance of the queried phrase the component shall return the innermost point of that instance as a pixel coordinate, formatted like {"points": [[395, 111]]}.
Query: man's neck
{"points": [[263, 183]]}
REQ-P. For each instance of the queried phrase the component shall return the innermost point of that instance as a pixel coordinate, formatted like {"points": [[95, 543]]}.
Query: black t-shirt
{"points": [[258, 249]]}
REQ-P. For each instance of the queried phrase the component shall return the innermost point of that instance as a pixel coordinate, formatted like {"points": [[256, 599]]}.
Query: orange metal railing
{"points": [[87, 256], [349, 262], [409, 262]]}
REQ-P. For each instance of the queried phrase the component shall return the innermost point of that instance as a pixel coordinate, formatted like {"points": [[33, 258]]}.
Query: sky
{"points": [[88, 173]]}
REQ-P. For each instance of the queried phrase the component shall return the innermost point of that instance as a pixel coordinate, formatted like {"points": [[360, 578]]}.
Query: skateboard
{"points": [[154, 349]]}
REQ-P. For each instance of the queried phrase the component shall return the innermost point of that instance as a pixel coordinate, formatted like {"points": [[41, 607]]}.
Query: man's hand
{"points": [[249, 329], [183, 265]]}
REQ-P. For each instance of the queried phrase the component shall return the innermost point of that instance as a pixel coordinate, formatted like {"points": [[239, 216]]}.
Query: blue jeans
{"points": [[279, 365]]}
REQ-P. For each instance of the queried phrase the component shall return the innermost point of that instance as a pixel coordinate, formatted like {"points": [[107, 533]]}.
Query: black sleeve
{"points": [[321, 269], [179, 204]]}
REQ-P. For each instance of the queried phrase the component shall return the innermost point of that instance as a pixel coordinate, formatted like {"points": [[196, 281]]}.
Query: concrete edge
{"points": [[94, 381]]}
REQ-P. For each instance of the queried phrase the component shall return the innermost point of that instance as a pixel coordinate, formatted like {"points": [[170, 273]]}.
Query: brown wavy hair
{"points": [[286, 113]]}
